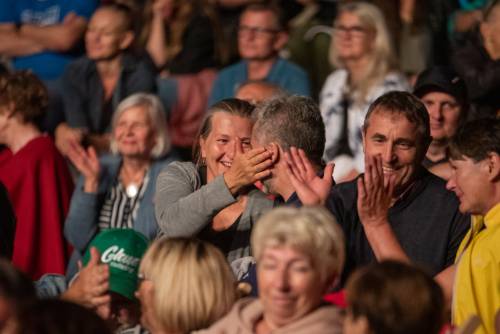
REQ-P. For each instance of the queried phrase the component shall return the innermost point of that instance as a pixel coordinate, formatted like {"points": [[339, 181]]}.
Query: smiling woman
{"points": [[214, 198], [300, 255], [117, 190]]}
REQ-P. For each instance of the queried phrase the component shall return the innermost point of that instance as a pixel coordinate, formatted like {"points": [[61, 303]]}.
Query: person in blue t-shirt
{"points": [[43, 35], [261, 35]]}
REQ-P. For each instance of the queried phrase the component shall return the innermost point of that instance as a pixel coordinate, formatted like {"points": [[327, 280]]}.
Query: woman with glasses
{"points": [[361, 51]]}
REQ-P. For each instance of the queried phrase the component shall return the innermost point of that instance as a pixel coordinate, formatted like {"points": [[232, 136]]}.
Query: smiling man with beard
{"points": [[397, 209]]}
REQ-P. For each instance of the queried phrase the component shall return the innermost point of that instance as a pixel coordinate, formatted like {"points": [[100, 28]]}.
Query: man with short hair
{"points": [[445, 96], [475, 158], [261, 35], [397, 209]]}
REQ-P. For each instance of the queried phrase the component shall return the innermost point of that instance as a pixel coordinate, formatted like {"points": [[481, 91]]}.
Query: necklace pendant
{"points": [[132, 190]]}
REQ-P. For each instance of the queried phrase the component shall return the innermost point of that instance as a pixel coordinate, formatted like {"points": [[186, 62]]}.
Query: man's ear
{"points": [[275, 149], [9, 110], [493, 161], [127, 39], [280, 40]]}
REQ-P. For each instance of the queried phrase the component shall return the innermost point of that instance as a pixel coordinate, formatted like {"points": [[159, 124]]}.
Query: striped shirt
{"points": [[120, 210]]}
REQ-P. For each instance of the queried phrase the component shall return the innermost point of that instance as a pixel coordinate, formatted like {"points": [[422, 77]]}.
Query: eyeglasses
{"points": [[257, 31], [355, 31]]}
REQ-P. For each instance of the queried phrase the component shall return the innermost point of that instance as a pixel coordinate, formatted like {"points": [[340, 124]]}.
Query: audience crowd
{"points": [[250, 166]]}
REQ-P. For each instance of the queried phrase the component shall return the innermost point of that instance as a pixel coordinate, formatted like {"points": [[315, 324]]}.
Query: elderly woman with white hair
{"points": [[300, 255], [116, 191], [362, 53]]}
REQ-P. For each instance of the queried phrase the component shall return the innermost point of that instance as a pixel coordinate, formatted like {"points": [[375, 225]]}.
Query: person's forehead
{"points": [[259, 18], [380, 117], [108, 17], [438, 95]]}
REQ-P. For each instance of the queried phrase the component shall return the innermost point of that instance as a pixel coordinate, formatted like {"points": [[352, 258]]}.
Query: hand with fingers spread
{"points": [[247, 167], [91, 286], [87, 163], [375, 194], [310, 188]]}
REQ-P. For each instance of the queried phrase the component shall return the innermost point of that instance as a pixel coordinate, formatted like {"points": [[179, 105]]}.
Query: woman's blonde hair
{"points": [[310, 230], [193, 283], [382, 60]]}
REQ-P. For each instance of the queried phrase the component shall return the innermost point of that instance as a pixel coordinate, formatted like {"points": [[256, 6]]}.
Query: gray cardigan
{"points": [[184, 206]]}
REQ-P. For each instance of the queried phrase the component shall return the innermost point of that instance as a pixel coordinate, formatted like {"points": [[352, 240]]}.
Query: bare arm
{"points": [[13, 44], [157, 42], [58, 37], [446, 279]]}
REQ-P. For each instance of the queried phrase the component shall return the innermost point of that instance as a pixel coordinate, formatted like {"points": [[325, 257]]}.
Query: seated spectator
{"points": [[95, 84], [186, 285], [366, 68], [258, 91], [397, 209], [475, 158], [182, 36], [35, 175], [261, 35], [214, 198], [445, 96], [300, 255], [117, 190], [43, 36], [57, 317], [8, 225], [16, 293], [392, 297], [478, 63]]}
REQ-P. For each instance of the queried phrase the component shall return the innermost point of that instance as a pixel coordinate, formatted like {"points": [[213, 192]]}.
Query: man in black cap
{"points": [[445, 97]]}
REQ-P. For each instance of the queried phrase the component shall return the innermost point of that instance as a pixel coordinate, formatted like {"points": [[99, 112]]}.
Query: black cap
{"points": [[441, 79]]}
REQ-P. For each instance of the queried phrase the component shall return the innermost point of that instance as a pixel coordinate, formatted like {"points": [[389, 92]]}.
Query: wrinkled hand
{"points": [[247, 167], [91, 286], [374, 195], [87, 163], [310, 188], [67, 137]]}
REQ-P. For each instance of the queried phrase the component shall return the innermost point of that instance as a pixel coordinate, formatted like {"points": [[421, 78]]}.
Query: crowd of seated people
{"points": [[166, 167]]}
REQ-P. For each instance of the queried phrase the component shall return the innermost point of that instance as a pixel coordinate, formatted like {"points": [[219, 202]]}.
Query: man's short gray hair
{"points": [[292, 121], [154, 108]]}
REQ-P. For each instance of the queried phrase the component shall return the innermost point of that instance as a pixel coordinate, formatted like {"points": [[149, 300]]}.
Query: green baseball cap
{"points": [[122, 250]]}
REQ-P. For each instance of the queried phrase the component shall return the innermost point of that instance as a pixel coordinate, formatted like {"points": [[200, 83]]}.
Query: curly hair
{"points": [[24, 95]]}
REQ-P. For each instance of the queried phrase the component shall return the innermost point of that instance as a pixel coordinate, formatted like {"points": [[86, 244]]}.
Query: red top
{"points": [[40, 187]]}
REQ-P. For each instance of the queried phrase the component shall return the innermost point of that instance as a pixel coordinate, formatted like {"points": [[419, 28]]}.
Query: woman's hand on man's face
{"points": [[247, 167]]}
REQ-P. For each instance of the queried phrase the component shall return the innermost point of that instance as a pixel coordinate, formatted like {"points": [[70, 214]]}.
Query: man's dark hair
{"points": [[396, 298], [406, 104], [269, 7], [292, 121], [476, 139]]}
